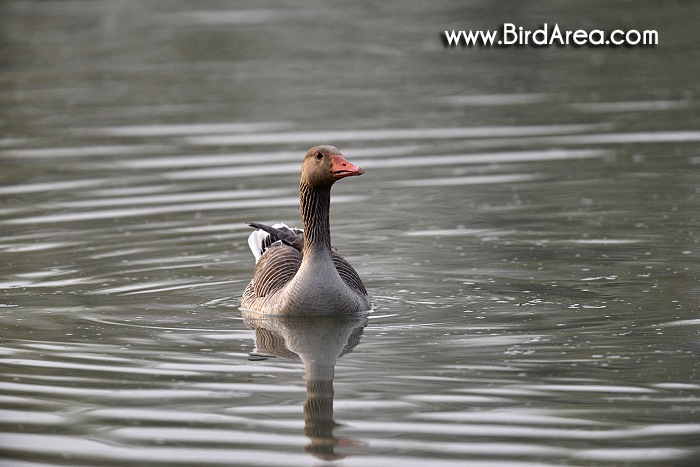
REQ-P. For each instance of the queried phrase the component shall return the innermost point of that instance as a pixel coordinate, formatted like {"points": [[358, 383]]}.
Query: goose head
{"points": [[324, 165]]}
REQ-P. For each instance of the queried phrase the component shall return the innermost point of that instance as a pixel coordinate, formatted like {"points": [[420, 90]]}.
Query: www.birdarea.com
{"points": [[548, 35]]}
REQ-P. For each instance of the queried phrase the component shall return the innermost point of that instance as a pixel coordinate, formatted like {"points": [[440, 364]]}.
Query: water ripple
{"points": [[470, 180], [631, 106], [59, 446], [313, 137], [83, 151], [395, 162], [527, 432], [181, 129], [176, 208]]}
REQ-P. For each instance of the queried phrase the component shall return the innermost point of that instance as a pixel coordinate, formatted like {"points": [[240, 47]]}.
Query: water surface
{"points": [[527, 227]]}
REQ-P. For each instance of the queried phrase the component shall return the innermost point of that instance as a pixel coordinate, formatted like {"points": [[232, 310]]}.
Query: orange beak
{"points": [[342, 168]]}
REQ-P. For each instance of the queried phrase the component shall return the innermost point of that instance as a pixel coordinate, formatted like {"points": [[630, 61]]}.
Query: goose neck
{"points": [[315, 214]]}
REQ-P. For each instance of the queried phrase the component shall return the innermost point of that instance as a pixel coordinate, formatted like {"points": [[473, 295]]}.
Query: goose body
{"points": [[296, 271]]}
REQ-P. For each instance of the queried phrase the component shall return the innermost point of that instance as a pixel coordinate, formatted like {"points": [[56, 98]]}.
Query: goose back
{"points": [[280, 258]]}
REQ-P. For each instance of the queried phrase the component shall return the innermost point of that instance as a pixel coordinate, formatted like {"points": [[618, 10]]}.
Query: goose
{"points": [[297, 272]]}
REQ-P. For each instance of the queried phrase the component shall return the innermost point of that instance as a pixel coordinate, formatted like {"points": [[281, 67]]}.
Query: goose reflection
{"points": [[318, 342]]}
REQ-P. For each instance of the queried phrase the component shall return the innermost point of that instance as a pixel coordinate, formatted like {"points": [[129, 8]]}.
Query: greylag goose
{"points": [[296, 271]]}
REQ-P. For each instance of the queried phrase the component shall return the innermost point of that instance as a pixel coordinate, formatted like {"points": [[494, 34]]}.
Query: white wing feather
{"points": [[257, 240]]}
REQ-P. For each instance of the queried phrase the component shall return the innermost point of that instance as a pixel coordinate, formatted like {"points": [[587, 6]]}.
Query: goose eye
{"points": [[319, 156]]}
